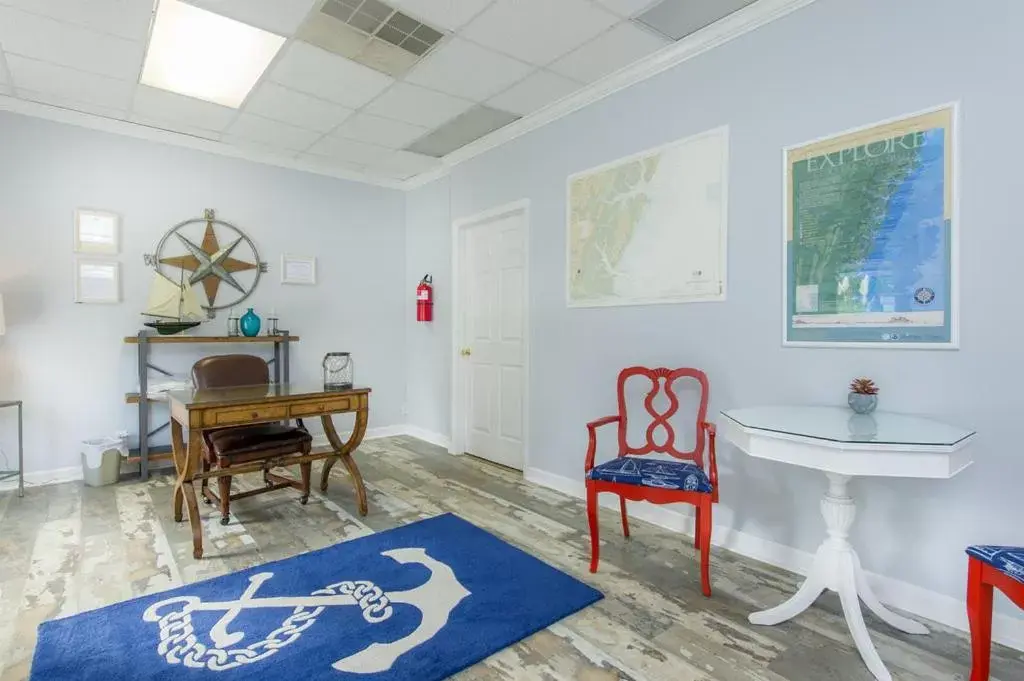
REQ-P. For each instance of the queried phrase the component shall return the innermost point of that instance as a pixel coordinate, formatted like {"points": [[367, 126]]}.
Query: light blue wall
{"points": [[68, 362], [428, 251], [833, 65]]}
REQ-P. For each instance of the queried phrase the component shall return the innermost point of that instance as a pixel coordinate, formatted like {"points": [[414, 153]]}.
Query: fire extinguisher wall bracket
{"points": [[425, 299]]}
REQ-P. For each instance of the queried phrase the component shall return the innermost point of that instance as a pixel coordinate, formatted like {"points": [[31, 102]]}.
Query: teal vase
{"points": [[249, 324]]}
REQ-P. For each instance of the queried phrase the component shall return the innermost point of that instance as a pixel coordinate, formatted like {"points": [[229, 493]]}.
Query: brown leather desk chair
{"points": [[269, 442]]}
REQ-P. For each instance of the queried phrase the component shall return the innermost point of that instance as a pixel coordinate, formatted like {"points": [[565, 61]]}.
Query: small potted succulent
{"points": [[863, 396]]}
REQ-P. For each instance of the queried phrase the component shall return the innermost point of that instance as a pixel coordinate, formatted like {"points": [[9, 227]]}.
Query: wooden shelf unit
{"points": [[280, 369]]}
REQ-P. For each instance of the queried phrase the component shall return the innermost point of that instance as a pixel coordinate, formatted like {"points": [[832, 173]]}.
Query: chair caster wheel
{"points": [[207, 501], [303, 500], [225, 521]]}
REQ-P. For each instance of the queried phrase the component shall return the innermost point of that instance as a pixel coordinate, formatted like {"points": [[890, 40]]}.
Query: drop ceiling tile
{"points": [[416, 105], [382, 131], [244, 143], [73, 104], [125, 18], [329, 164], [273, 101], [317, 72], [51, 79], [383, 56], [36, 37], [349, 151], [401, 165], [628, 8], [447, 14], [535, 92], [172, 126], [152, 104], [464, 69], [272, 133], [278, 16], [609, 52], [538, 31]]}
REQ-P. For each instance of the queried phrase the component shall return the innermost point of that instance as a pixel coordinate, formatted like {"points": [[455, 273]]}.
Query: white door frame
{"points": [[458, 393]]}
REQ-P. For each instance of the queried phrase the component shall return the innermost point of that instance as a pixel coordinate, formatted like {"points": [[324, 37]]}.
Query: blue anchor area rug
{"points": [[417, 603]]}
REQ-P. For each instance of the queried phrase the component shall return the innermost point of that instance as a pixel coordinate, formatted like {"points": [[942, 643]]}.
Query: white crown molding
{"points": [[145, 132], [733, 26]]}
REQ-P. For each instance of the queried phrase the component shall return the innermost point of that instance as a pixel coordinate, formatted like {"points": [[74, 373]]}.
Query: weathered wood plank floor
{"points": [[67, 548]]}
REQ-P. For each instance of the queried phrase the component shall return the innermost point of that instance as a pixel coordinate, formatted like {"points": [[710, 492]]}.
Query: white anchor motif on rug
{"points": [[435, 599]]}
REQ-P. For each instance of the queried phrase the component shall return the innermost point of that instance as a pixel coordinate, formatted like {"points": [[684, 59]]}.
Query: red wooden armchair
{"points": [[655, 480]]}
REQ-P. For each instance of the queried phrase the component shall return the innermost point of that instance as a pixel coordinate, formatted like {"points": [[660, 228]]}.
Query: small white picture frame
{"points": [[298, 269], [97, 232], [97, 281]]}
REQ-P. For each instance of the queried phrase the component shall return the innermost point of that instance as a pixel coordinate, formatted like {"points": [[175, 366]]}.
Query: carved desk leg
{"points": [[184, 463], [344, 453]]}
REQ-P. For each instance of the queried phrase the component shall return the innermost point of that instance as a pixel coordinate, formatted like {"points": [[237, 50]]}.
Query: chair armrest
{"points": [[592, 432], [712, 431]]}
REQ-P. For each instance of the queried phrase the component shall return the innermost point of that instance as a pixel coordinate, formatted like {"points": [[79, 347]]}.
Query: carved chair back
{"points": [[663, 380]]}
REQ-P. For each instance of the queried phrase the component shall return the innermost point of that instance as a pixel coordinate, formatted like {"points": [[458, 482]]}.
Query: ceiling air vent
{"points": [[472, 125], [677, 19], [371, 33]]}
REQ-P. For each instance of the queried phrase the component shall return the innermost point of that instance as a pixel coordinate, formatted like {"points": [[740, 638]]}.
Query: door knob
{"points": [[465, 352]]}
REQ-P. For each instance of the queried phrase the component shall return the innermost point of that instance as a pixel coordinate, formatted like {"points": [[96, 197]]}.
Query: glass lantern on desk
{"points": [[338, 371]]}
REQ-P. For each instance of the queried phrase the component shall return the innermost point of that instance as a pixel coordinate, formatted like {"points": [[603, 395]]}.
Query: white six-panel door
{"points": [[492, 347]]}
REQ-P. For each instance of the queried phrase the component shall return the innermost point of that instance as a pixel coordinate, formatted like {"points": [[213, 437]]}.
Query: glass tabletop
{"points": [[248, 394], [840, 424]]}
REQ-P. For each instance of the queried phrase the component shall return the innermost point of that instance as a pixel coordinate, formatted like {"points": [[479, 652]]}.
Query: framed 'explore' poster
{"points": [[870, 219]]}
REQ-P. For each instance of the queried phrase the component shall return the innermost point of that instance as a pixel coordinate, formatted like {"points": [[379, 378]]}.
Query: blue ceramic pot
{"points": [[249, 324], [862, 404]]}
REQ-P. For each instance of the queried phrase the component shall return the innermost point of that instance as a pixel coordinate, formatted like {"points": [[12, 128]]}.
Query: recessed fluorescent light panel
{"points": [[204, 55], [677, 19]]}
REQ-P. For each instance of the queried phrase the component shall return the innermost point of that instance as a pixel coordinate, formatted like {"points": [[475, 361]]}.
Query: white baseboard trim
{"points": [[40, 478], [427, 436], [320, 439], [916, 600]]}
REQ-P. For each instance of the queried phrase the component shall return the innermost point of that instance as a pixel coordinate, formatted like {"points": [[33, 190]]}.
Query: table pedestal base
{"points": [[837, 567]]}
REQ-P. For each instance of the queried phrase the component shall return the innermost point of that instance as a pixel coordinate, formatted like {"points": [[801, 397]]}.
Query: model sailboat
{"points": [[175, 306]]}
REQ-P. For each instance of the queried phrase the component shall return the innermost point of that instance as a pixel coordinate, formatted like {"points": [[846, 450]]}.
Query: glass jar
{"points": [[338, 371]]}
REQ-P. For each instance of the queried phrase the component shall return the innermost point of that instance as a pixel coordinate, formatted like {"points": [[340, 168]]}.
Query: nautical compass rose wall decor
{"points": [[211, 252]]}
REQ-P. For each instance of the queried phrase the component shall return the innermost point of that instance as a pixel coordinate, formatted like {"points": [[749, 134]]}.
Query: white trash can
{"points": [[101, 461]]}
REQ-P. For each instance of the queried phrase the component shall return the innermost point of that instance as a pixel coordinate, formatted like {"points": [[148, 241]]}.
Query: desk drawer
{"points": [[250, 414], [330, 405]]}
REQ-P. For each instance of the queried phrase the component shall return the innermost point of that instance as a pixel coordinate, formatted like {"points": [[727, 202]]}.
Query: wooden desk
{"points": [[199, 410]]}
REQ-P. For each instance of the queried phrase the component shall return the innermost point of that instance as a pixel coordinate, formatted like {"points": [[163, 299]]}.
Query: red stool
{"points": [[1001, 567]]}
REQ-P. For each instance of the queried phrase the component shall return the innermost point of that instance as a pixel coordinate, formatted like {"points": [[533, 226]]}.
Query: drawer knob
{"points": [[255, 415]]}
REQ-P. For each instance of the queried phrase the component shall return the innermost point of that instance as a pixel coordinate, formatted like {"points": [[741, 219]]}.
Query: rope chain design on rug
{"points": [[180, 645]]}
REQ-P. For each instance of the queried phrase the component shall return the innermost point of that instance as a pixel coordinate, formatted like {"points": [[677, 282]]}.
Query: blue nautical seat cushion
{"points": [[1007, 559], [635, 470]]}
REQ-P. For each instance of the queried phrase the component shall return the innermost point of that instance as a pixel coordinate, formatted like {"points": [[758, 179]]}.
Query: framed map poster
{"points": [[650, 228], [870, 220]]}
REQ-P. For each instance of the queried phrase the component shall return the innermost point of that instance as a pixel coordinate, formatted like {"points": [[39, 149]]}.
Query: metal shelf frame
{"points": [[279, 364]]}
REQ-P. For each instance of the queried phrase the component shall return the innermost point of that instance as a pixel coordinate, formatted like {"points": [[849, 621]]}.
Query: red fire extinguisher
{"points": [[425, 300]]}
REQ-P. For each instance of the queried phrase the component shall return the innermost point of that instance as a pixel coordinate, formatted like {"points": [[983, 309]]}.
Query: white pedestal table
{"points": [[843, 445]]}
